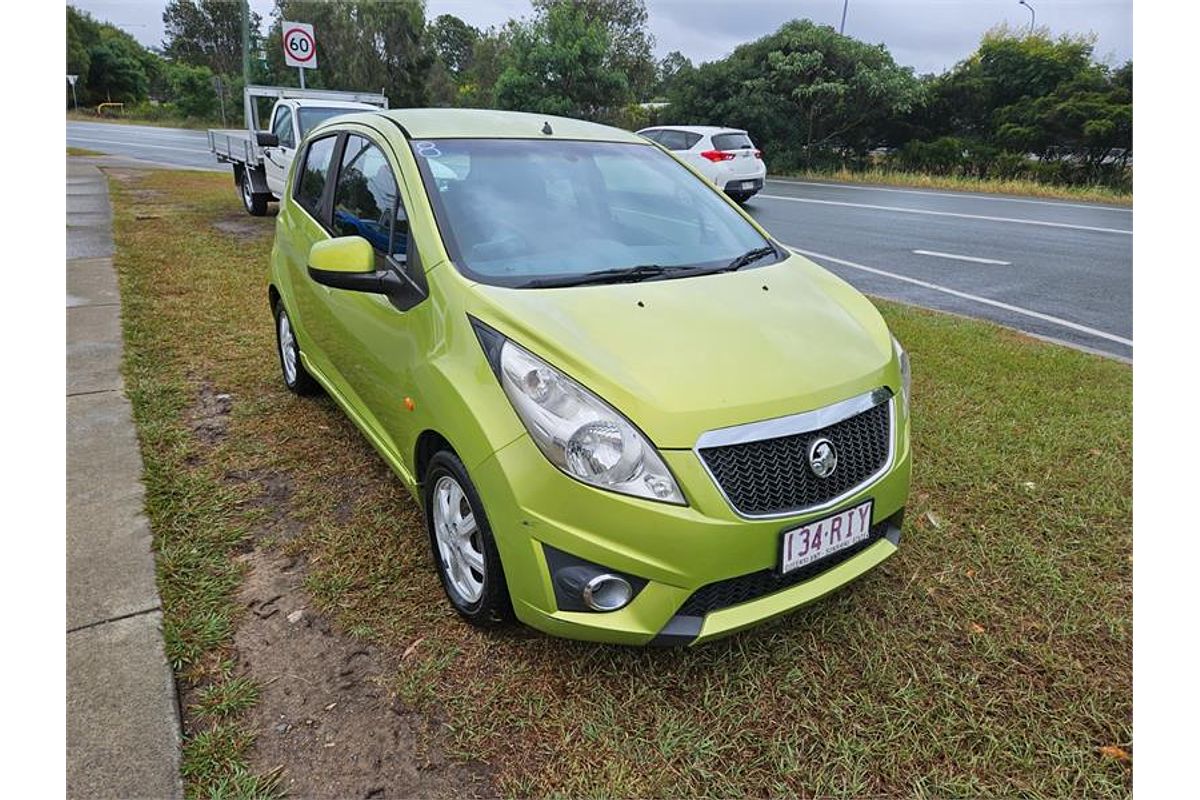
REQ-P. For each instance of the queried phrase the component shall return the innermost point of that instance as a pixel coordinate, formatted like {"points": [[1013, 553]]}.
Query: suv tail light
{"points": [[758, 153], [717, 155]]}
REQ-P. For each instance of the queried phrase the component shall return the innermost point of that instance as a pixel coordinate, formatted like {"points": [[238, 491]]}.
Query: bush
{"points": [[191, 91]]}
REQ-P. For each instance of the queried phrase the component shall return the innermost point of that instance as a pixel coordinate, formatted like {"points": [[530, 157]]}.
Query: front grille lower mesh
{"points": [[744, 588], [772, 476]]}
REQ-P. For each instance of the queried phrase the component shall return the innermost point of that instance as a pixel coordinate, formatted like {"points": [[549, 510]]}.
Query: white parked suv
{"points": [[726, 156]]}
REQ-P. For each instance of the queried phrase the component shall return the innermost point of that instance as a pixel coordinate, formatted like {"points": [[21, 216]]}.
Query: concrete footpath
{"points": [[123, 737]]}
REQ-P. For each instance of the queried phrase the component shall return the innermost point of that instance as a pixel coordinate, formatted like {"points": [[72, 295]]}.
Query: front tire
{"points": [[295, 376], [256, 204], [464, 550]]}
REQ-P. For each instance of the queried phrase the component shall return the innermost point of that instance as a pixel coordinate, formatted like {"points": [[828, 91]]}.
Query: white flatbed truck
{"points": [[261, 157]]}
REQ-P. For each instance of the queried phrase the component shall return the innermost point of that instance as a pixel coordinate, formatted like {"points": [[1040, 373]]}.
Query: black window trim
{"points": [[322, 213]]}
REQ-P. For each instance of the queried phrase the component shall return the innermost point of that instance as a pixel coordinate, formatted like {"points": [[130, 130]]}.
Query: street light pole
{"points": [[1032, 15], [842, 29]]}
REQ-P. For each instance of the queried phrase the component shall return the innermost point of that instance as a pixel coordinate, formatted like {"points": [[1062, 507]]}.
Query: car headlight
{"points": [[578, 432], [905, 373]]}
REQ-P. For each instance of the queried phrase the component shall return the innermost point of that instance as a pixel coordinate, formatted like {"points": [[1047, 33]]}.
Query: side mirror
{"points": [[347, 262], [267, 139]]}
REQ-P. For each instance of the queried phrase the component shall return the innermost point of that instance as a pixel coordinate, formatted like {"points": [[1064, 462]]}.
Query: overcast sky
{"points": [[928, 35]]}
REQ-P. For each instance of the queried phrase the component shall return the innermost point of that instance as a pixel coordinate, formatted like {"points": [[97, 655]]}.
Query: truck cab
{"points": [[262, 154]]}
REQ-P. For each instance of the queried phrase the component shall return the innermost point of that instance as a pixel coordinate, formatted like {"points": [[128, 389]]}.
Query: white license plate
{"points": [[748, 184], [815, 540]]}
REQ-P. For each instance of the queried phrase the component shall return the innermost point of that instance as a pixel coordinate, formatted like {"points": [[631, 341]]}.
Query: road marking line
{"points": [[903, 210], [955, 257], [135, 145], [973, 195], [1075, 326]]}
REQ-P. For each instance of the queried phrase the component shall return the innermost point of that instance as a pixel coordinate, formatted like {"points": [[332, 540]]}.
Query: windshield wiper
{"points": [[749, 257], [641, 272]]}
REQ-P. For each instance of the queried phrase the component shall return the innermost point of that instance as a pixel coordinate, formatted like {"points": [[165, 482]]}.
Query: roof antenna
{"points": [[546, 129]]}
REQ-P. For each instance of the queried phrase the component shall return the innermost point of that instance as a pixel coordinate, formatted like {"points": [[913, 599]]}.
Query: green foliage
{"points": [[192, 91], [207, 33], [559, 64], [587, 58], [805, 93], [453, 42], [1029, 106], [476, 88], [669, 69], [365, 46], [111, 65]]}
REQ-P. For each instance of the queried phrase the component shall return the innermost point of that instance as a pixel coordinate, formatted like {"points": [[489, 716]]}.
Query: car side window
{"points": [[674, 140], [690, 140], [282, 127], [310, 183], [365, 199]]}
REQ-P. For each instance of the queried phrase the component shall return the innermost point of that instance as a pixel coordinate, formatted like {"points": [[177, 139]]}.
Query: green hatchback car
{"points": [[628, 413]]}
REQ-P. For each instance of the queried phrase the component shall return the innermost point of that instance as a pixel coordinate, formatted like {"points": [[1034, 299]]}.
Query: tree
{"points": [[1022, 95], [477, 87], [563, 62], [669, 69], [192, 90], [630, 45], [453, 42], [808, 94], [206, 33], [115, 73], [361, 46], [82, 34], [110, 63]]}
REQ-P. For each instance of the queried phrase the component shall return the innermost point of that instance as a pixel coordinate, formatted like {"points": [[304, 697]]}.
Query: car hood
{"points": [[683, 356]]}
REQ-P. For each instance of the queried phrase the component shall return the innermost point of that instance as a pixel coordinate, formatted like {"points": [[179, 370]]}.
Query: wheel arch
{"points": [[429, 442]]}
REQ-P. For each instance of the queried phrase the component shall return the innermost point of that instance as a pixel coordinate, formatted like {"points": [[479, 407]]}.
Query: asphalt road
{"points": [[1060, 270]]}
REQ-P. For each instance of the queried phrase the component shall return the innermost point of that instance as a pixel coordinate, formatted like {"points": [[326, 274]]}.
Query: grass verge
{"points": [[990, 656], [82, 151], [916, 180], [160, 122]]}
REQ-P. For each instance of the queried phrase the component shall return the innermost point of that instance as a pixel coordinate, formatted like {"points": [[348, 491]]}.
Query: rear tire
{"points": [[464, 550], [255, 204], [295, 376]]}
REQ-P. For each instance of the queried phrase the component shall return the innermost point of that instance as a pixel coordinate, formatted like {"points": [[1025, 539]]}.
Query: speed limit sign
{"points": [[299, 45]]}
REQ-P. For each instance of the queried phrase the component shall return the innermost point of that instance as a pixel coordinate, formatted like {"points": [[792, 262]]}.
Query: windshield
{"points": [[518, 212], [311, 116]]}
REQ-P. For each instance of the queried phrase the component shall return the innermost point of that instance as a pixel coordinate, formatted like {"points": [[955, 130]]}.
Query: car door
{"points": [[277, 159], [372, 340]]}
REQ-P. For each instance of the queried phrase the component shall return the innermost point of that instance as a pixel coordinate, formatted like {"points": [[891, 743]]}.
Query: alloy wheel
{"points": [[459, 539]]}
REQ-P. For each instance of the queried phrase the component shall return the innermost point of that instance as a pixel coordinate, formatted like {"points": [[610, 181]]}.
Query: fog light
{"points": [[607, 592]]}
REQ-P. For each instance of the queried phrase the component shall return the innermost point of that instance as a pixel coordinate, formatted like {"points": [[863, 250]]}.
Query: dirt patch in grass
{"points": [[240, 227], [324, 715], [990, 656]]}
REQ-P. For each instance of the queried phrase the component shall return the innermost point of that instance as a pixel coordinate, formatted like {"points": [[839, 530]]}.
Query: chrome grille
{"points": [[770, 477]]}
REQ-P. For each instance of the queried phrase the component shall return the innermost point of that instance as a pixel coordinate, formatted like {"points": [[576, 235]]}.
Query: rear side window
{"points": [[282, 127], [732, 141], [676, 140], [365, 197], [310, 185]]}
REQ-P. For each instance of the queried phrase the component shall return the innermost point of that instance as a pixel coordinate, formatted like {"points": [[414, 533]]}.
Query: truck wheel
{"points": [[256, 204]]}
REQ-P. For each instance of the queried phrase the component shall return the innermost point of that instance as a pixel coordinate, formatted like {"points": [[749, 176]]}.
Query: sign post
{"points": [[299, 47], [71, 80]]}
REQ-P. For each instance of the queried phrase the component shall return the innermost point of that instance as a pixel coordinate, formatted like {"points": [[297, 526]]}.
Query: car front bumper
{"points": [[677, 549]]}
